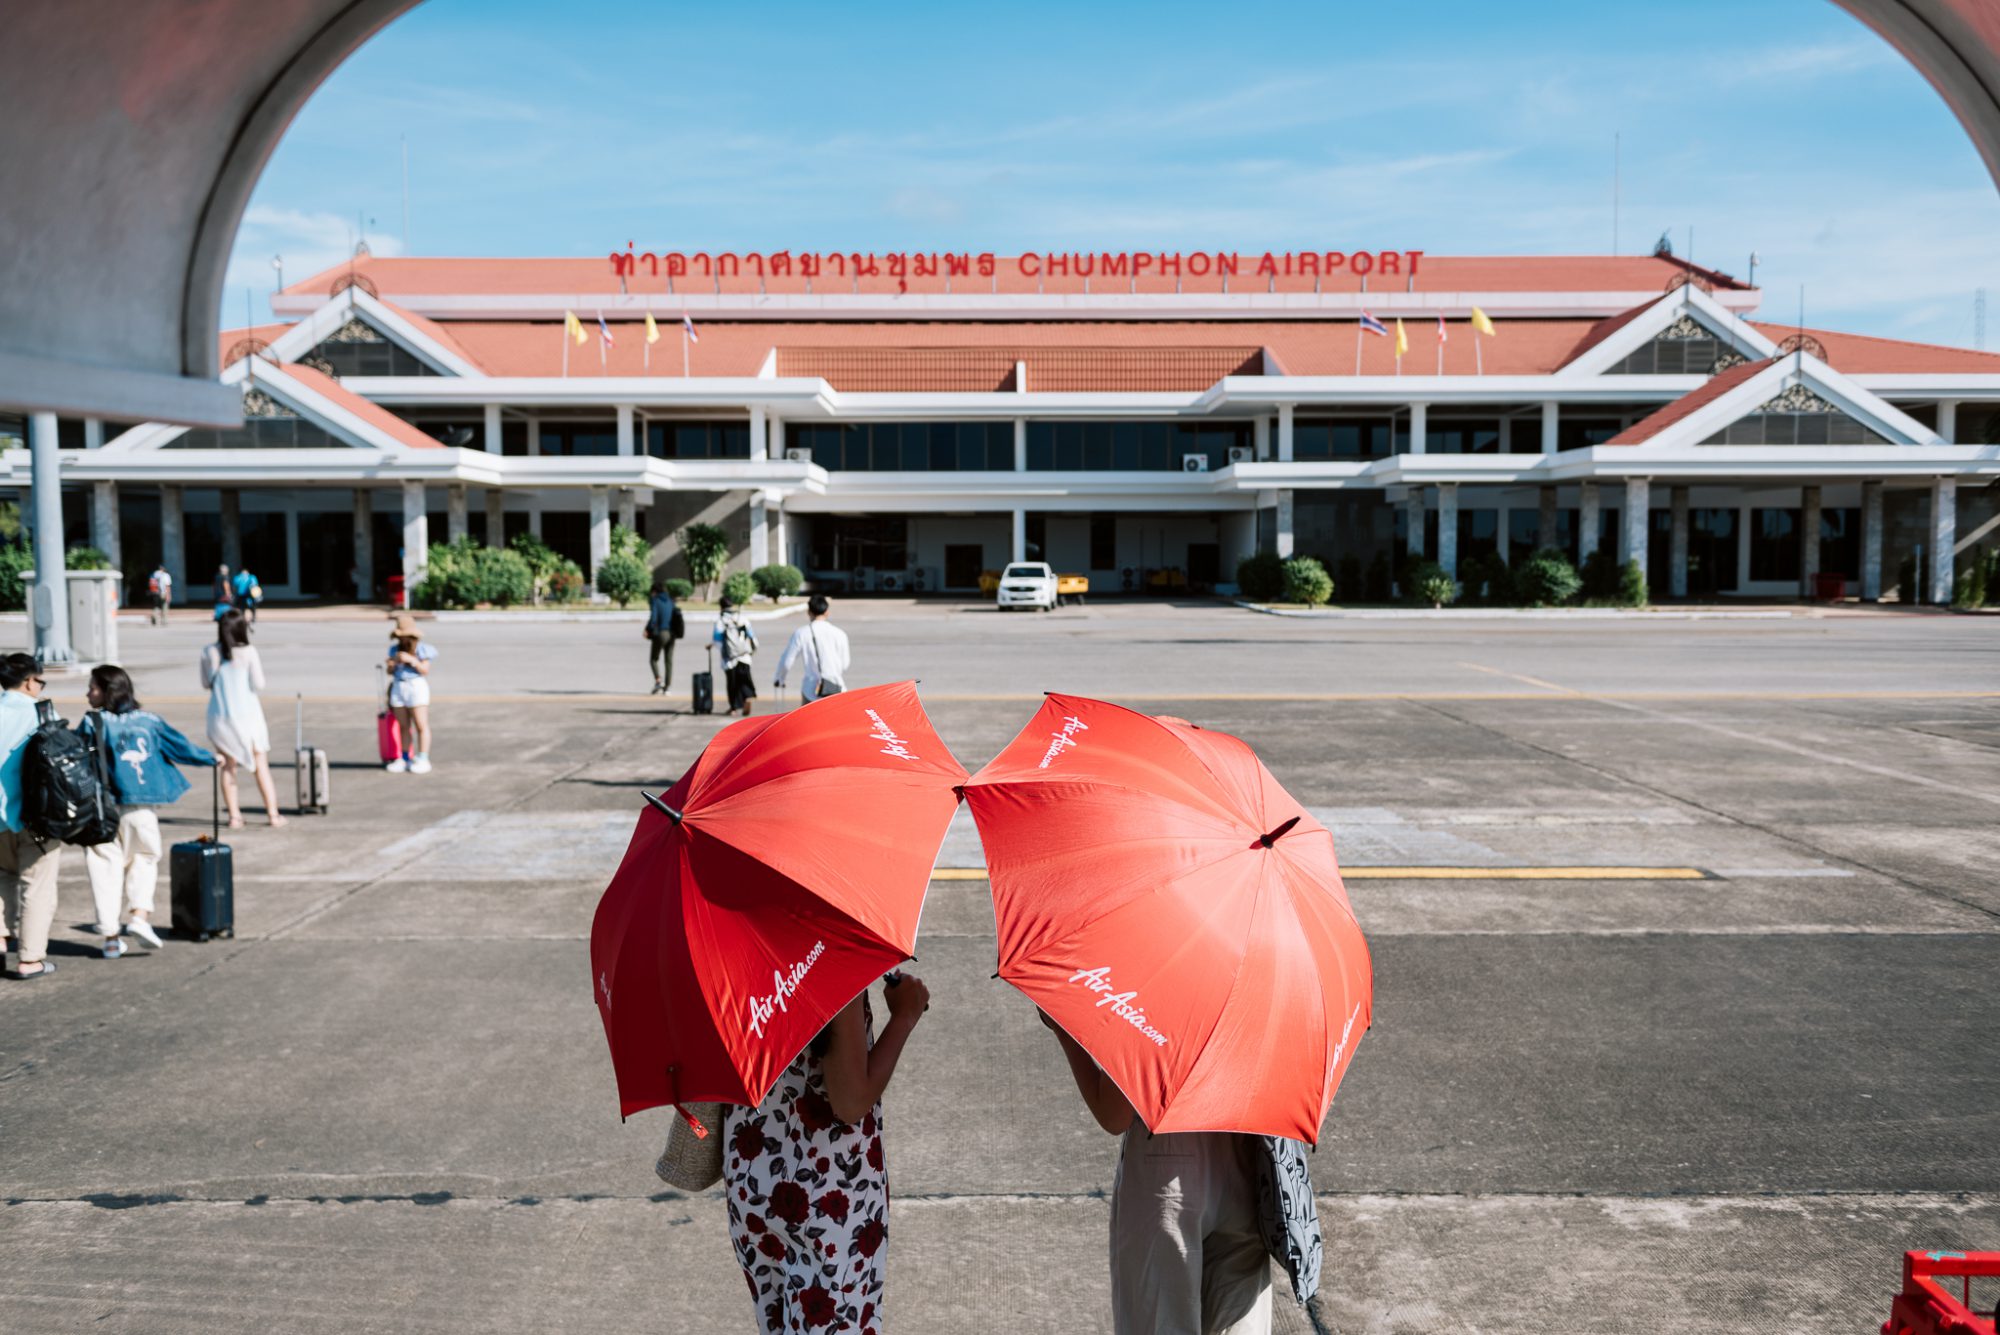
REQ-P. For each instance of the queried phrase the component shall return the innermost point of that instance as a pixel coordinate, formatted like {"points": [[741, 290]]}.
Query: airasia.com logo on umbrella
{"points": [[892, 744], [1099, 981], [785, 983], [1062, 739]]}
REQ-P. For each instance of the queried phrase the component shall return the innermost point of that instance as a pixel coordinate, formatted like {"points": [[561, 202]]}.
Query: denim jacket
{"points": [[144, 750]]}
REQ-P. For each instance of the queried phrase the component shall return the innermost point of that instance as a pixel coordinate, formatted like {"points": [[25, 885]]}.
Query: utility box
{"points": [[93, 612]]}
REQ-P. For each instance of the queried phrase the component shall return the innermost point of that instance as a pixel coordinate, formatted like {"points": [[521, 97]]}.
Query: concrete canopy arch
{"points": [[139, 130]]}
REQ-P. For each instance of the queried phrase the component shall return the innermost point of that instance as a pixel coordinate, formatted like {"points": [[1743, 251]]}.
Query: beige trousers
{"points": [[125, 872], [28, 891], [1186, 1255]]}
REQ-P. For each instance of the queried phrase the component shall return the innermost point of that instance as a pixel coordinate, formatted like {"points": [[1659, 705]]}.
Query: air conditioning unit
{"points": [[890, 581], [1194, 463], [924, 580], [1241, 454], [864, 578], [794, 455]]}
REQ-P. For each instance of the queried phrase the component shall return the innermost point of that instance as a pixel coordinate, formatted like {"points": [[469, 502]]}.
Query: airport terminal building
{"points": [[906, 422]]}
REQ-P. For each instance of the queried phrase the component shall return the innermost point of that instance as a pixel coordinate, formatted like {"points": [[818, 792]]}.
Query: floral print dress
{"points": [[808, 1204]]}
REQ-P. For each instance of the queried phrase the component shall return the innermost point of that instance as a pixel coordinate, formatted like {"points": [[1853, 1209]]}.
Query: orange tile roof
{"points": [[1863, 354], [986, 370], [232, 340], [380, 418], [435, 330], [1648, 427], [1605, 328]]}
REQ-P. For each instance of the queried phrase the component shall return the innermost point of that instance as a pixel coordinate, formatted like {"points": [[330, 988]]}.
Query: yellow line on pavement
{"points": [[1330, 697], [1453, 874]]}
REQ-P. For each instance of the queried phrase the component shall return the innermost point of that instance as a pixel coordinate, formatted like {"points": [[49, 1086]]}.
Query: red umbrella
{"points": [[1178, 913], [765, 890]]}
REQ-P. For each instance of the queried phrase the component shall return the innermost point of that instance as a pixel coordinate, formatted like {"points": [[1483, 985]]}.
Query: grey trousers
{"points": [[1186, 1254]]}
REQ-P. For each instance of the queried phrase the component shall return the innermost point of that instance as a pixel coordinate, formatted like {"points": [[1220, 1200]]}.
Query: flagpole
{"points": [[565, 339], [1478, 357], [684, 348], [1357, 347]]}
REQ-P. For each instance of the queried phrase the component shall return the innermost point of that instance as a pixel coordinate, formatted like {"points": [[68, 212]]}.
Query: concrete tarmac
{"points": [[1609, 1105]]}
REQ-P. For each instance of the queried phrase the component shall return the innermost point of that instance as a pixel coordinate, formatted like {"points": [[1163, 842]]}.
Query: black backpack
{"points": [[64, 795]]}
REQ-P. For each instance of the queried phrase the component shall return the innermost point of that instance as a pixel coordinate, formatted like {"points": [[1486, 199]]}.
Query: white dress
{"points": [[236, 724]]}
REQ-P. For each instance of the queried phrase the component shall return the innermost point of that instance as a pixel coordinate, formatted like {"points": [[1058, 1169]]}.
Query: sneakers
{"points": [[142, 929], [420, 765], [113, 948], [397, 766]]}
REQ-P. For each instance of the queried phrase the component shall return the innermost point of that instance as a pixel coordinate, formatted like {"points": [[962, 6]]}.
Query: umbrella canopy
{"points": [[1166, 902], [764, 890]]}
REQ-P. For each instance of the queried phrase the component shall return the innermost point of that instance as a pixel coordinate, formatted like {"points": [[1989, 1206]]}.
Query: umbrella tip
{"points": [[669, 812], [1268, 839]]}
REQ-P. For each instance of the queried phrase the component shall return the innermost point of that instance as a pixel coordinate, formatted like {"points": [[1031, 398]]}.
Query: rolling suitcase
{"points": [[388, 739], [203, 879], [704, 687], [314, 771]]}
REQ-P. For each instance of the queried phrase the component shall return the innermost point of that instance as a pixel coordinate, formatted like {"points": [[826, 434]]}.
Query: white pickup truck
{"points": [[1028, 584]]}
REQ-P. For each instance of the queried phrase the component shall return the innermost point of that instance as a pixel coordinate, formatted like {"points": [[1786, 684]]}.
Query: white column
{"points": [[600, 529], [1548, 520], [50, 613], [535, 516], [93, 434], [1419, 426], [760, 532], [1947, 415], [774, 515], [364, 544], [1448, 527], [496, 517], [104, 520], [1020, 547], [1944, 537], [1020, 447], [1677, 579], [1506, 435], [759, 445], [625, 450], [1286, 441], [456, 524], [173, 539], [232, 529], [776, 426], [1638, 519], [1413, 522], [1588, 520], [493, 434], [1871, 542], [628, 508], [1503, 530], [416, 536], [1282, 524], [1808, 540], [534, 434], [1260, 437], [1549, 433]]}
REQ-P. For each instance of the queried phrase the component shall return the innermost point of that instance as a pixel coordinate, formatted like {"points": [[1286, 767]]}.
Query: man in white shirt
{"points": [[820, 648]]}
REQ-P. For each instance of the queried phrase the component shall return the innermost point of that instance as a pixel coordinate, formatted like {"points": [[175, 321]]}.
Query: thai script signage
{"points": [[905, 265]]}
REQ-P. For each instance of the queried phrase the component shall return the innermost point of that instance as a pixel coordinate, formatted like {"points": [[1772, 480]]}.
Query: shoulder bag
{"points": [[692, 1161], [825, 687]]}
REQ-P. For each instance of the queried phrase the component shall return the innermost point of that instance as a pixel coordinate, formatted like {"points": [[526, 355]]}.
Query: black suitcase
{"points": [[704, 687], [203, 879]]}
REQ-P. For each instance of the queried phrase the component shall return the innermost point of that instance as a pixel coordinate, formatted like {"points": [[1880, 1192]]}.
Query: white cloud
{"points": [[308, 243]]}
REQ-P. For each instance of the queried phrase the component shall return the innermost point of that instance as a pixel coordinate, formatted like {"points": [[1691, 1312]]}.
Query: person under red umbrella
{"points": [[1180, 920], [760, 896]]}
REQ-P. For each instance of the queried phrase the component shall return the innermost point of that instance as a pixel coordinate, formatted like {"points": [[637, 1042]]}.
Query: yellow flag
{"points": [[574, 326], [652, 330], [1482, 322], [1402, 339]]}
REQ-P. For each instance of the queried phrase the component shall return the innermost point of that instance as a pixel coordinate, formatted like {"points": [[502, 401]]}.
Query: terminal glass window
{"points": [[465, 434], [1104, 542], [860, 542], [698, 440], [1774, 544], [267, 425], [1133, 447], [1686, 348], [1479, 435], [358, 349], [1840, 542], [930, 447], [1578, 433], [1341, 438], [1767, 427], [579, 438]]}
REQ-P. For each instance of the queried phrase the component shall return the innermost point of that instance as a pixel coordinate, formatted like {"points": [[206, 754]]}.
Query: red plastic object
{"points": [[1925, 1307], [1828, 588], [396, 591]]}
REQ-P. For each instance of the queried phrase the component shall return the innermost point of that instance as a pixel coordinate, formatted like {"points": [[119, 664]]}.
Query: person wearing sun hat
{"points": [[410, 694]]}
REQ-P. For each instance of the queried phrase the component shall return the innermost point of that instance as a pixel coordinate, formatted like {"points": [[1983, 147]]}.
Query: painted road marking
{"points": [[1516, 676], [1460, 874]]}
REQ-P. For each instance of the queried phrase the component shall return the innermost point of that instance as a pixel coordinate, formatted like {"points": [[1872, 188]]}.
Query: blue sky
{"points": [[1455, 127]]}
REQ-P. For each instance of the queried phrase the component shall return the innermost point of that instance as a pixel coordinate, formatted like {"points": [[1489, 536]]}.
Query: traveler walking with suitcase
{"points": [[739, 645], [140, 750], [27, 863], [234, 675], [203, 879], [410, 694]]}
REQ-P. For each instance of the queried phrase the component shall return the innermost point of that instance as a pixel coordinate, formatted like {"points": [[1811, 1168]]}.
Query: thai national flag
{"points": [[1442, 335], [687, 327], [604, 330], [1373, 325]]}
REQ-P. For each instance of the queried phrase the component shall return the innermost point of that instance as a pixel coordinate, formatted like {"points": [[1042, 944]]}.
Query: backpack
{"points": [[738, 641], [677, 626], [153, 582], [64, 795]]}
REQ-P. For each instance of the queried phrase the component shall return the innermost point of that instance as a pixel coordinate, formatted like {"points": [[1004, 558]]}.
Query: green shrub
{"points": [[86, 558], [778, 581], [739, 588], [466, 574], [1426, 585], [1546, 579], [566, 583], [1261, 578], [1600, 575], [1632, 590], [623, 578], [1486, 580], [1969, 588], [705, 548], [678, 589], [627, 542], [14, 558], [1306, 581]]}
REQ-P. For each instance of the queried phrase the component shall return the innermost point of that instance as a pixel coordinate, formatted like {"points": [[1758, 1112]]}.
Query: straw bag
{"points": [[692, 1160]]}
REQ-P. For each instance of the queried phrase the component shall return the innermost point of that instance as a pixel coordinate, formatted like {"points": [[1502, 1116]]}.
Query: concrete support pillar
{"points": [[1286, 441], [457, 525], [1549, 428], [1548, 519], [1503, 532], [1020, 536], [1448, 527], [416, 536], [1947, 413], [781, 547], [1020, 446], [625, 433], [1638, 519], [759, 441], [776, 426], [496, 517], [50, 613], [760, 531], [600, 529], [1413, 522], [1944, 537], [494, 442], [232, 529], [104, 521], [1809, 518], [535, 517], [93, 434], [364, 545], [1419, 426], [1260, 437], [1282, 528], [534, 435], [1677, 579], [1588, 520], [173, 539], [1506, 433], [1871, 542], [628, 508]]}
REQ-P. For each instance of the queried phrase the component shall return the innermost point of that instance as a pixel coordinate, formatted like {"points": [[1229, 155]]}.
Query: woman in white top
{"points": [[231, 672]]}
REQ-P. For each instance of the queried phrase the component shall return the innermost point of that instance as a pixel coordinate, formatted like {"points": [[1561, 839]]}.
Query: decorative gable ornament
{"points": [[320, 364], [256, 403], [355, 330], [1798, 399], [1686, 328], [1728, 360]]}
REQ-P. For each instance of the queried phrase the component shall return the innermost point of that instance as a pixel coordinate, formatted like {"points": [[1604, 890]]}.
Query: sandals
{"points": [[48, 967]]}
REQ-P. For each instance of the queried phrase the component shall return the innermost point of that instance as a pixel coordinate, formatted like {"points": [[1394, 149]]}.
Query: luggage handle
{"points": [[214, 805], [299, 743]]}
